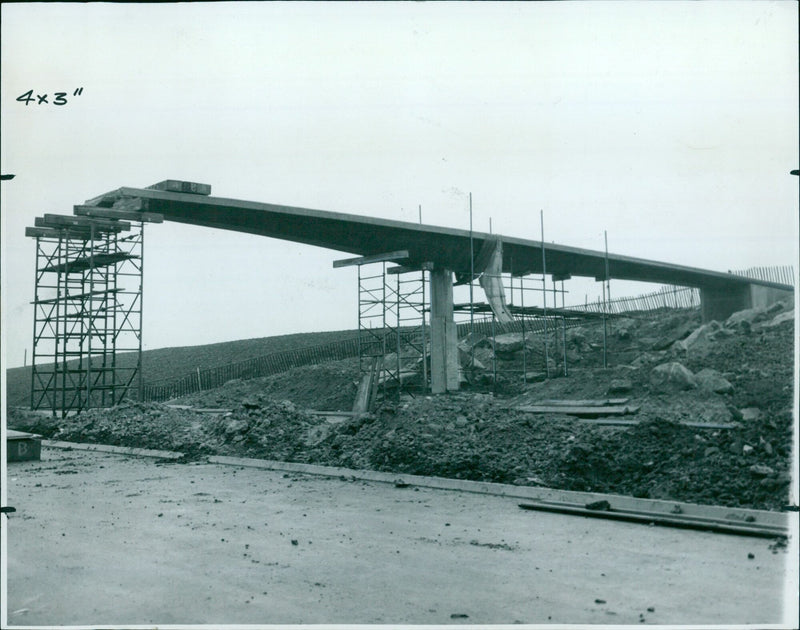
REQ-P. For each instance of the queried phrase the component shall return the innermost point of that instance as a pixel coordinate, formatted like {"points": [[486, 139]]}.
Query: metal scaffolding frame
{"points": [[533, 322], [87, 324], [392, 329]]}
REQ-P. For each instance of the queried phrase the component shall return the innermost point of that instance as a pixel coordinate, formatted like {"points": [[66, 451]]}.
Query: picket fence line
{"points": [[267, 365], [782, 275], [666, 297]]}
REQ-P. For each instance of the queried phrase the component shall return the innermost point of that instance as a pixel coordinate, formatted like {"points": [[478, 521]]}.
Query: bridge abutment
{"points": [[720, 303]]}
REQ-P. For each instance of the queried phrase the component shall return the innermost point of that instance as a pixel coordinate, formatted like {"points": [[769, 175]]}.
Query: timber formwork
{"points": [[87, 324]]}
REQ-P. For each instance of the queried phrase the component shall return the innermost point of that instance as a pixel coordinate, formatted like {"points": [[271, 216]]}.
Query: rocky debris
{"points": [[671, 377], [713, 381], [479, 436]]}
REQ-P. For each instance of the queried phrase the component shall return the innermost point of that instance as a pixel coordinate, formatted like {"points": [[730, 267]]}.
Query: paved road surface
{"points": [[105, 539]]}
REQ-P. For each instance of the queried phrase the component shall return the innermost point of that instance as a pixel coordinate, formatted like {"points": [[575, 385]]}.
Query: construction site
{"points": [[622, 445]]}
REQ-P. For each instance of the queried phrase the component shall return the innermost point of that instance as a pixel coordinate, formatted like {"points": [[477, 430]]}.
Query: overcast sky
{"points": [[671, 125]]}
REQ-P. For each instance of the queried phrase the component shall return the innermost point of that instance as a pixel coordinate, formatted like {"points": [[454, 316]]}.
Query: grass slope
{"points": [[169, 363]]}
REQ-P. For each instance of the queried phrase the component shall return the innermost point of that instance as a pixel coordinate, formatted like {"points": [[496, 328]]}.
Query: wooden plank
{"points": [[401, 254], [46, 232], [110, 213], [583, 403], [628, 422], [651, 518], [78, 228], [364, 389], [69, 220], [615, 422], [616, 410]]}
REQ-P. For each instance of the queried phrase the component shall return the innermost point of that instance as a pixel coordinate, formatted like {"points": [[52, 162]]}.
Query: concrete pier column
{"points": [[444, 337]]}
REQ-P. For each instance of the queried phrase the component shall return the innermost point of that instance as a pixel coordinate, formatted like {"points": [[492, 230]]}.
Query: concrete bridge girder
{"points": [[448, 249]]}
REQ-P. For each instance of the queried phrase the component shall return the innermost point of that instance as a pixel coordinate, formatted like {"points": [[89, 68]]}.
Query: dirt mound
{"points": [[738, 377], [267, 429], [326, 387]]}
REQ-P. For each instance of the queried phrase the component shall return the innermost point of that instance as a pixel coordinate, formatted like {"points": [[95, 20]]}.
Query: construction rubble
{"points": [[685, 411]]}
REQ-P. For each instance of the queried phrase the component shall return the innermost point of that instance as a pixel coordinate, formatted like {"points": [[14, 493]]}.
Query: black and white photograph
{"points": [[381, 314]]}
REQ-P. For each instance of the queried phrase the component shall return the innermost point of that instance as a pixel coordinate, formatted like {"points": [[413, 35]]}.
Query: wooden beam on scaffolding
{"points": [[69, 221], [111, 213], [43, 232], [401, 254], [426, 266]]}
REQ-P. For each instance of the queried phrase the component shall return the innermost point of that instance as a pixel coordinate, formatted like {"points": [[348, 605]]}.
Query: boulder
{"points": [[647, 359], [663, 343], [714, 412], [787, 316], [713, 381], [670, 377], [699, 338], [750, 414], [509, 343], [749, 315]]}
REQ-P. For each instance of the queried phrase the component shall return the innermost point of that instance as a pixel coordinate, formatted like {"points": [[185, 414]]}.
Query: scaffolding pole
{"points": [[87, 310]]}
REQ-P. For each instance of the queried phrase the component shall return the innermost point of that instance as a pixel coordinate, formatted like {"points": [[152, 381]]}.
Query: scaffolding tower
{"points": [[87, 323], [540, 323], [392, 335]]}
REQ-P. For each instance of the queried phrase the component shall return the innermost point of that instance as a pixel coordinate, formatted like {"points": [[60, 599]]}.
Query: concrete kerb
{"points": [[618, 502], [118, 450], [535, 493]]}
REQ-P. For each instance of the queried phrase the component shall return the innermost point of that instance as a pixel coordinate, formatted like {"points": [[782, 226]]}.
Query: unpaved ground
{"points": [[478, 434], [103, 539]]}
